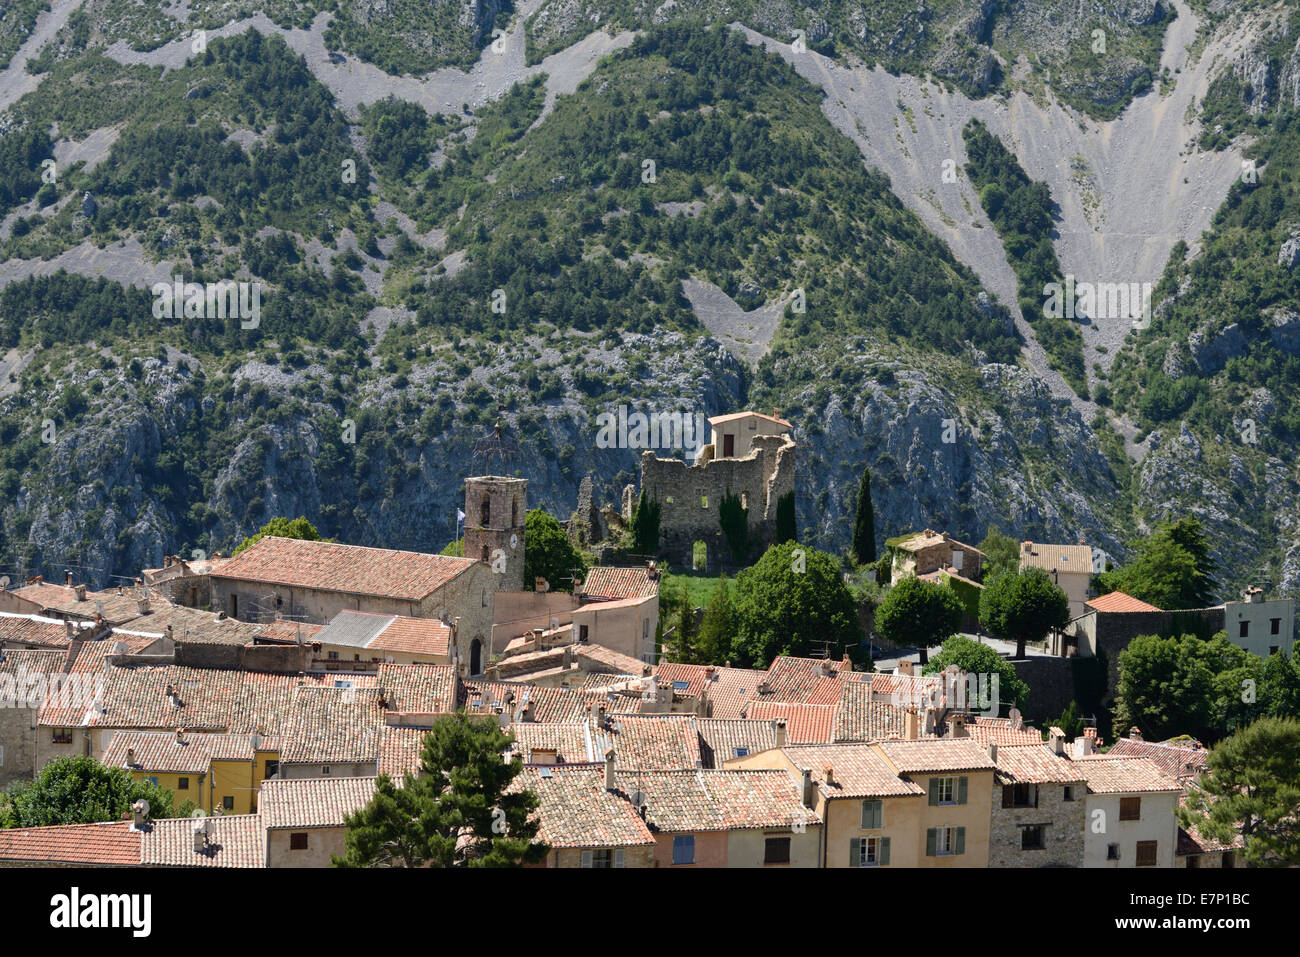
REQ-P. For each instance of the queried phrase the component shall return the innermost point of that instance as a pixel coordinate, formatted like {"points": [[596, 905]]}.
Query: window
{"points": [[1112, 852], [151, 780], [1146, 853], [947, 790], [945, 841], [869, 852], [1243, 629], [272, 768], [234, 606], [1033, 837], [62, 736], [1020, 795], [333, 656], [684, 849], [325, 770], [182, 784], [1130, 809], [740, 752], [298, 842], [872, 814], [228, 803], [776, 850], [645, 627], [603, 858], [1069, 792], [1275, 626]]}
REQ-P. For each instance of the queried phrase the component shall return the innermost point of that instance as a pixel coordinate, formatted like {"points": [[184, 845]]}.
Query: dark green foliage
{"points": [[549, 554], [717, 630], [1002, 553], [917, 613], [792, 602], [1021, 210], [21, 154], [982, 661], [1171, 569], [1023, 606], [459, 810], [733, 518], [645, 525], [864, 523], [298, 528], [786, 527], [80, 790]]}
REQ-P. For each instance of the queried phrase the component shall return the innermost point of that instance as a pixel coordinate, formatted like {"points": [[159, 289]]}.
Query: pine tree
{"points": [[713, 644], [645, 525], [864, 525]]}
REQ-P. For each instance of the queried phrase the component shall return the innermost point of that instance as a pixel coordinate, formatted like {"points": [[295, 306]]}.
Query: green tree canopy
{"points": [[1251, 788], [788, 603], [549, 554], [864, 523], [459, 810], [80, 790], [1023, 606], [1003, 553], [918, 613], [1171, 569], [282, 528], [713, 644], [979, 659], [645, 525]]}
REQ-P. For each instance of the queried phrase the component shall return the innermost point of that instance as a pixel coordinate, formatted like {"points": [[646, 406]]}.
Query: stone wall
{"points": [[1051, 686], [689, 496], [1063, 837]]}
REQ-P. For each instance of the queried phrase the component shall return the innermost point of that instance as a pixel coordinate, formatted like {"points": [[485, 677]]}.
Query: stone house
{"points": [[1068, 566], [1038, 807], [931, 551]]}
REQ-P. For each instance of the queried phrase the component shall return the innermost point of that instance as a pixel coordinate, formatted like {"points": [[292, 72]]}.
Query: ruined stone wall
{"points": [[689, 495]]}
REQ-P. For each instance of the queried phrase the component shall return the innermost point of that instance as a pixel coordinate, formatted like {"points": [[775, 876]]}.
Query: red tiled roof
{"points": [[651, 742], [160, 751], [32, 630], [736, 416], [720, 738], [194, 626], [605, 581], [110, 844], [1004, 736], [718, 800], [859, 717], [312, 802], [333, 726], [727, 689], [936, 754], [236, 840], [416, 636], [809, 680], [805, 723], [1177, 761], [399, 750], [577, 811], [1033, 765], [329, 566], [1107, 775], [114, 606], [1117, 601], [858, 771], [599, 658]]}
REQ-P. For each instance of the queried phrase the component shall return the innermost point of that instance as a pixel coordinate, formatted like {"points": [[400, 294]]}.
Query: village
{"points": [[274, 693]]}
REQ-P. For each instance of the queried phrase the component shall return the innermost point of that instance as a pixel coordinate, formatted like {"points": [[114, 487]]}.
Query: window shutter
{"points": [[618, 858], [1008, 796], [586, 858], [855, 851], [934, 791], [931, 839], [884, 851], [961, 790], [961, 841]]}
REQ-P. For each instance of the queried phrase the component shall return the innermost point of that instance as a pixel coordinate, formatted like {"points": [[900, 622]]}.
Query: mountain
{"points": [[672, 208]]}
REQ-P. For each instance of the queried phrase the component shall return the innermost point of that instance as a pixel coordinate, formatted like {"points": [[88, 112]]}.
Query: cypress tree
{"points": [[864, 525]]}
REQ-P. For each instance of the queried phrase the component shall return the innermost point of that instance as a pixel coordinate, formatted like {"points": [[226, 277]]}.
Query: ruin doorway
{"points": [[476, 657], [700, 556]]}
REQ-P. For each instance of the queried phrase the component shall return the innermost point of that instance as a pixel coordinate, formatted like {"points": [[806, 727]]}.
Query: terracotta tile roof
{"points": [[858, 771], [859, 717], [160, 751], [809, 680], [329, 566], [597, 658], [548, 704], [1180, 762], [805, 723], [736, 416], [717, 800], [290, 631], [1034, 765], [1117, 601], [386, 633], [116, 608], [936, 754], [577, 811], [1004, 736], [906, 690], [333, 726], [399, 750], [605, 581], [727, 689], [1107, 775], [312, 802], [32, 630], [113, 844], [1064, 558], [930, 538], [23, 664], [237, 840], [194, 626], [572, 741], [720, 738], [418, 687], [646, 742], [85, 676]]}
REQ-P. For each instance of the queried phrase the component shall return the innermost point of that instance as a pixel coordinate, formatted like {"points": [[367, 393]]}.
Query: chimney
{"points": [[826, 669], [130, 757], [142, 605], [806, 791], [180, 735], [137, 815], [1017, 720], [993, 751], [80, 591], [1135, 733], [829, 772], [776, 413], [957, 726], [610, 783], [200, 839], [67, 579], [911, 725], [541, 585], [1056, 739], [1084, 746], [905, 668], [779, 725], [69, 628]]}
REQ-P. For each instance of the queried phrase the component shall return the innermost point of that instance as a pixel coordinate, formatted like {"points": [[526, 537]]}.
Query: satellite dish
{"points": [[143, 805], [638, 798], [4, 581]]}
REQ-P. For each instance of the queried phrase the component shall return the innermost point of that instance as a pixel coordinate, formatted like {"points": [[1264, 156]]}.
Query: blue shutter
{"points": [[855, 851], [961, 790], [931, 841], [961, 841], [934, 791], [884, 851]]}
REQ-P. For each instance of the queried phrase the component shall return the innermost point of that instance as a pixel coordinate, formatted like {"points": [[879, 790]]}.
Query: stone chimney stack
{"points": [[806, 790], [911, 725], [905, 668], [829, 772], [611, 784], [1135, 733], [993, 751], [67, 579], [1056, 740], [779, 725], [137, 815]]}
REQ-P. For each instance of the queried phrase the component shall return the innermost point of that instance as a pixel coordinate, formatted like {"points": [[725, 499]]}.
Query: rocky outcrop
{"points": [[1289, 254], [1212, 350]]}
